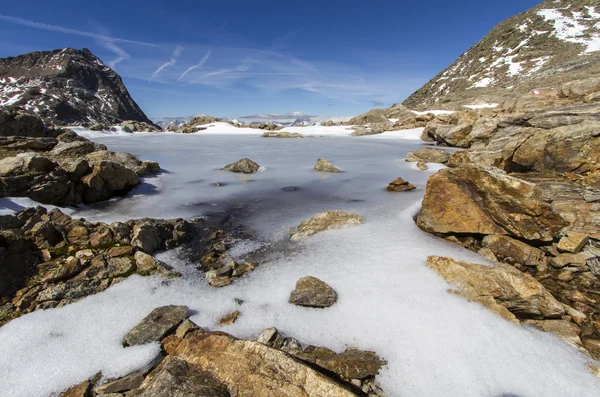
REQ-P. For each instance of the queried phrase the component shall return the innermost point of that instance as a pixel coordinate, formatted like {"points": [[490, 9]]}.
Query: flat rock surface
{"points": [[330, 220], [156, 325], [312, 292]]}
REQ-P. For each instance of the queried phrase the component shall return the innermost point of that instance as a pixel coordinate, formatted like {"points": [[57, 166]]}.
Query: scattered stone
{"points": [[244, 165], [282, 134], [186, 327], [312, 292], [325, 166], [573, 242], [422, 165], [230, 318], [428, 155], [271, 337], [563, 260], [129, 382], [352, 364], [331, 220], [156, 325], [400, 185], [81, 390]]}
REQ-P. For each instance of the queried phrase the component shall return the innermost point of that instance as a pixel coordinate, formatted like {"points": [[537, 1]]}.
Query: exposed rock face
{"points": [[194, 125], [325, 166], [282, 134], [428, 155], [140, 126], [67, 86], [495, 203], [400, 185], [312, 292], [15, 122], [531, 51], [244, 165], [397, 113], [49, 259], [330, 220], [501, 285]]}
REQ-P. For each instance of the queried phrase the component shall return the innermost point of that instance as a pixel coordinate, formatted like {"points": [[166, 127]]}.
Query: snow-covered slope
{"points": [[550, 40], [66, 86]]}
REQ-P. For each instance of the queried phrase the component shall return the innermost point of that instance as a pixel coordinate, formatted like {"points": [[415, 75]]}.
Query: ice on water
{"points": [[436, 343]]}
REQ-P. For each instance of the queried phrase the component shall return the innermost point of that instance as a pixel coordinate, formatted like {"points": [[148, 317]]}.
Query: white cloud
{"points": [[176, 53], [196, 66]]}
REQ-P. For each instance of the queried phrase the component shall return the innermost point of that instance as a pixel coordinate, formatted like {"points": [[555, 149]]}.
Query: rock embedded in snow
{"points": [[422, 165], [230, 318], [271, 337], [502, 288], [244, 165], [160, 322], [400, 185], [325, 166], [324, 221], [428, 155], [282, 134], [312, 292]]}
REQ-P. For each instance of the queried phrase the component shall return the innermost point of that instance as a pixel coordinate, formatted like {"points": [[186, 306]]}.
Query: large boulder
{"points": [[251, 368], [107, 180], [245, 166], [324, 221], [141, 168], [312, 292], [493, 202], [499, 288]]}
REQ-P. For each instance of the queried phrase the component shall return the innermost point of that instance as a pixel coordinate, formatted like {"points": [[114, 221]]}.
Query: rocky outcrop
{"points": [[312, 292], [67, 170], [330, 220], [140, 126], [496, 204], [245, 166], [282, 134], [66, 86], [49, 259], [216, 364], [325, 166], [194, 125]]}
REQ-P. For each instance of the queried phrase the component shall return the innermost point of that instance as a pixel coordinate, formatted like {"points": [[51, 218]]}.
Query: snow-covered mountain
{"points": [[66, 86], [543, 47]]}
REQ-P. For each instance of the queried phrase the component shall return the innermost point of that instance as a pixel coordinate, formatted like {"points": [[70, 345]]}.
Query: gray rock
{"points": [[271, 337], [325, 166], [312, 292], [156, 325]]}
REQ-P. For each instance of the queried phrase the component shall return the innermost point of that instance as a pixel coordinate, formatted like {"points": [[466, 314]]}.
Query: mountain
{"points": [[66, 86], [537, 51]]}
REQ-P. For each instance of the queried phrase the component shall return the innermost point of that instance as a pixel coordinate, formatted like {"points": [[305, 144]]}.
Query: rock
{"points": [[81, 390], [592, 345], [351, 364], [15, 122], [312, 292], [400, 185], [508, 249], [282, 134], [128, 160], [156, 325], [428, 155], [75, 148], [147, 238], [565, 330], [98, 127], [271, 337], [244, 165], [106, 180], [496, 204], [573, 242], [186, 327], [178, 378], [230, 318], [563, 260], [325, 166], [234, 363], [498, 287], [421, 165], [324, 221], [129, 382]]}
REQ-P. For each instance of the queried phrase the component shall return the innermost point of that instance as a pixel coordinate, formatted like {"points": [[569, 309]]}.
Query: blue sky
{"points": [[237, 58]]}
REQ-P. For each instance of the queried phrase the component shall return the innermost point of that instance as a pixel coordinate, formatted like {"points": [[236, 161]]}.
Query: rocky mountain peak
{"points": [[549, 41], [66, 86]]}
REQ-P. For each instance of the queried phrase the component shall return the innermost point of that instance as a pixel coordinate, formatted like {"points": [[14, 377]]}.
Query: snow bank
{"points": [[482, 106], [434, 112]]}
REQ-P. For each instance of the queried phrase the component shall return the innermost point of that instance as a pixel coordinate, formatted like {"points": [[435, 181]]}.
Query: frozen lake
{"points": [[436, 343]]}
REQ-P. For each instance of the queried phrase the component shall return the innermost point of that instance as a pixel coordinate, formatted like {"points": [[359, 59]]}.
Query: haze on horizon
{"points": [[260, 59]]}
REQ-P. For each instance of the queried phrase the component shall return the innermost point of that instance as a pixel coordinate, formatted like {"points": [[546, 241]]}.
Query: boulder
{"points": [[156, 325], [106, 180], [330, 220], [508, 249], [351, 364], [312, 292], [400, 185], [499, 288], [325, 166], [428, 155], [495, 203], [253, 369], [244, 165], [128, 160]]}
